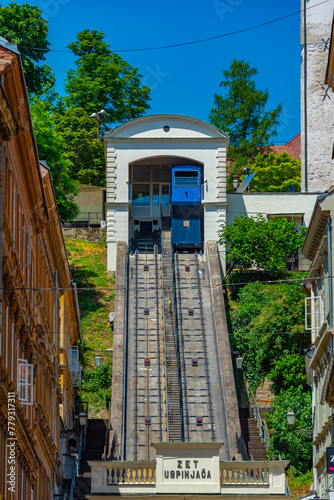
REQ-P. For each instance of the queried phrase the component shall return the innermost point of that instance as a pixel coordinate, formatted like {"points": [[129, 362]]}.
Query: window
{"points": [[186, 178], [141, 195], [25, 385], [74, 365], [314, 313]]}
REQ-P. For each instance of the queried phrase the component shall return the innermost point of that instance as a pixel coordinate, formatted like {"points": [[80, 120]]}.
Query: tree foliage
{"points": [[101, 80], [25, 26], [275, 173], [84, 149], [257, 242], [52, 148], [267, 322], [289, 443], [241, 113]]}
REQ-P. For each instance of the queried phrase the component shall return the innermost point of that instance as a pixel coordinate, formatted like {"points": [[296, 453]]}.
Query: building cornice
{"points": [[181, 140]]}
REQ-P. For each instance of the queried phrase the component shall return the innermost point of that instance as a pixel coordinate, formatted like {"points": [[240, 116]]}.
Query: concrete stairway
{"points": [[173, 388], [255, 447], [95, 439]]}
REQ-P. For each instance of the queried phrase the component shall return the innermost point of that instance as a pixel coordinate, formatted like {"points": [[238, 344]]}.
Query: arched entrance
{"points": [[150, 195]]}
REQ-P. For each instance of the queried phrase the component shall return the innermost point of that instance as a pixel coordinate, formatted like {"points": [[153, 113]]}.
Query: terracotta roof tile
{"points": [[292, 147]]}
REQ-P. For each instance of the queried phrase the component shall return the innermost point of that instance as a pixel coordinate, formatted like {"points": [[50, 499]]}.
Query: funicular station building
{"points": [[174, 422], [140, 156]]}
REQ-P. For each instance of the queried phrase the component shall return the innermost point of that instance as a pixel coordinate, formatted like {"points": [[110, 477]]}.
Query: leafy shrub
{"points": [[292, 445], [267, 322]]}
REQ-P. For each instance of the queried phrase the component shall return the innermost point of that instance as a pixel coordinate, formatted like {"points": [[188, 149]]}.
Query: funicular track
{"points": [[147, 388], [174, 389], [198, 413]]}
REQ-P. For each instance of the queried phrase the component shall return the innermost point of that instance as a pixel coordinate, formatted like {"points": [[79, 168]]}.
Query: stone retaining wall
{"points": [[84, 233]]}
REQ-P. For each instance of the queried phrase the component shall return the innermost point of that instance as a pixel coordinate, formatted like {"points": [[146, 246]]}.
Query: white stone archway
{"points": [[161, 137]]}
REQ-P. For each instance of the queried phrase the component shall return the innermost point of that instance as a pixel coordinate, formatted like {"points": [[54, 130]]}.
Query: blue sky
{"points": [[184, 79]]}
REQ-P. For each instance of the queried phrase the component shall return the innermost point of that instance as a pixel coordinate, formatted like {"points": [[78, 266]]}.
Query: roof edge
{"points": [[167, 116]]}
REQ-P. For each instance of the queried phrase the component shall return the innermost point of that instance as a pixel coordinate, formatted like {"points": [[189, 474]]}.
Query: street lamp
{"points": [[96, 116], [290, 416], [238, 362], [235, 184], [98, 361], [82, 418]]}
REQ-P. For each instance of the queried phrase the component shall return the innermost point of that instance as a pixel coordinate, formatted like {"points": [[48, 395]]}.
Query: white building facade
{"points": [[317, 100], [139, 157]]}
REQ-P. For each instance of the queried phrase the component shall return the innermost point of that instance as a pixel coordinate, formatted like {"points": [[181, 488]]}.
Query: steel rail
{"points": [[204, 345], [180, 336], [158, 335], [164, 319], [136, 353], [147, 356]]}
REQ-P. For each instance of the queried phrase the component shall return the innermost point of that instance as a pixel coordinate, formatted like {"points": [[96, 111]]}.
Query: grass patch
{"points": [[300, 485], [96, 295]]}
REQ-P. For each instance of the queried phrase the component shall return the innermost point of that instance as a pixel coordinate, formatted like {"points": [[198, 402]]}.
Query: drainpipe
{"points": [[1, 232], [329, 257], [1, 220], [305, 100], [56, 368]]}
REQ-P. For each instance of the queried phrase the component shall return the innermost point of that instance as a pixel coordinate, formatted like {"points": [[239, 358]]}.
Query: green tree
{"points": [[84, 149], [275, 173], [25, 26], [267, 322], [101, 80], [257, 242], [287, 373], [52, 148], [289, 444], [241, 113]]}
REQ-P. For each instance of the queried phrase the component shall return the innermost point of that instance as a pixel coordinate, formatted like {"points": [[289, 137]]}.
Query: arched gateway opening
{"points": [[141, 157], [150, 189]]}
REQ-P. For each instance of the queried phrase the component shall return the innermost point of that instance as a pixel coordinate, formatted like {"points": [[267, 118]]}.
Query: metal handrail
{"points": [[287, 487], [106, 444], [261, 423], [76, 468]]}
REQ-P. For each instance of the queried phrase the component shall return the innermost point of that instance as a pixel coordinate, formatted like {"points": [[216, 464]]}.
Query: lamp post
{"points": [[82, 418], [238, 362], [290, 416], [98, 361], [96, 116]]}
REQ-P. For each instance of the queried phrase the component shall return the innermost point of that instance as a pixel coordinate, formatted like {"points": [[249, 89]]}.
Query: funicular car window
{"points": [[186, 178]]}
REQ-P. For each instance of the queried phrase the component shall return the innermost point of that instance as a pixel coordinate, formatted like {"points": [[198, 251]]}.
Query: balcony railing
{"points": [[87, 219], [239, 478]]}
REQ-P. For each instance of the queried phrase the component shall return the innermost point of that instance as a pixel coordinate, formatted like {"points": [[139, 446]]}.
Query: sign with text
{"points": [[330, 460], [187, 467]]}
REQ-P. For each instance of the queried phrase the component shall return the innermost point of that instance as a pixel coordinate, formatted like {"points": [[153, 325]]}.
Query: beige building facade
{"points": [[318, 248], [39, 317]]}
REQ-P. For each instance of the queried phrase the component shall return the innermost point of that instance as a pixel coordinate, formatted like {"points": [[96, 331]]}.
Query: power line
{"points": [[102, 334], [193, 42], [113, 289]]}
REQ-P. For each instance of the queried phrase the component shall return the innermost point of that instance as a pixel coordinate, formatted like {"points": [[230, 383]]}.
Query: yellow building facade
{"points": [[39, 316]]}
